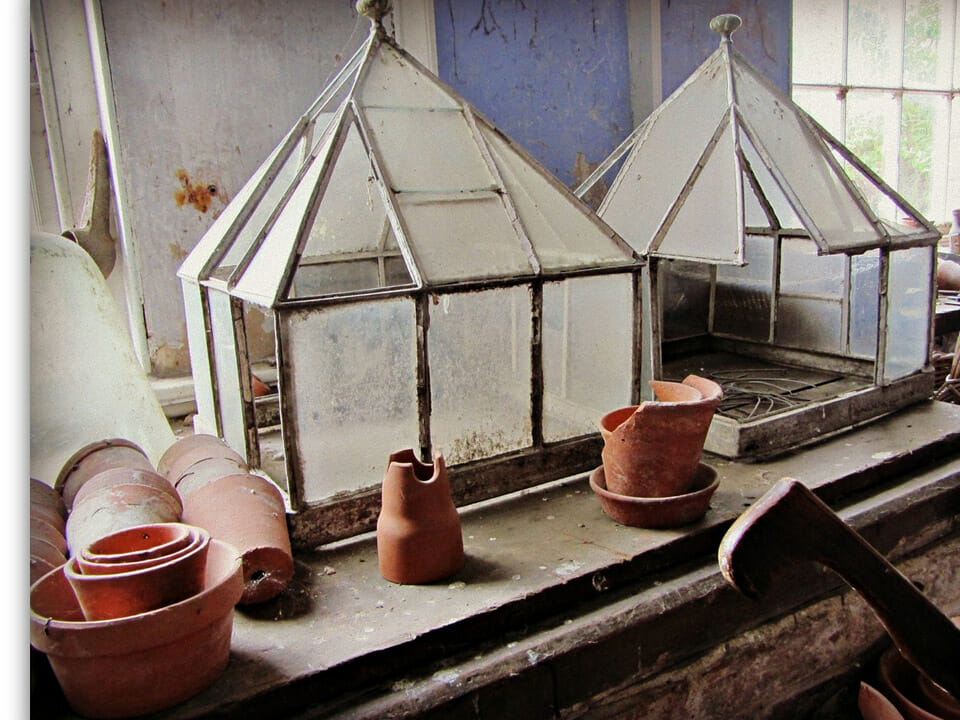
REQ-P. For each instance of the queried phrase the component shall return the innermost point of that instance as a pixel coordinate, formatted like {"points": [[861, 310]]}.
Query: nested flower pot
{"points": [[653, 449], [136, 544], [247, 512], [118, 499], [117, 589], [419, 538], [95, 458], [141, 663], [192, 449]]}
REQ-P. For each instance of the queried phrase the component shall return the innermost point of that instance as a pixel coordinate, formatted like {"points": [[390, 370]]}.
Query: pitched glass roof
{"points": [[391, 181], [727, 155]]}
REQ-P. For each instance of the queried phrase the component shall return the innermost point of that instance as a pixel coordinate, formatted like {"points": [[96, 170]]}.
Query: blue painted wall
{"points": [[686, 38], [554, 76]]}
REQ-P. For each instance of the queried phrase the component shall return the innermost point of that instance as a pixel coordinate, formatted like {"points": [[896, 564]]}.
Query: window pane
{"points": [[587, 352], [922, 169], [817, 41], [908, 316], [743, 293], [822, 105], [872, 131], [874, 43], [927, 45], [864, 303], [809, 324], [685, 288], [479, 347], [802, 271]]}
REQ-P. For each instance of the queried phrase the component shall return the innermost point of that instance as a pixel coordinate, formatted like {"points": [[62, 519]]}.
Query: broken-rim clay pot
{"points": [[93, 459], [146, 542], [419, 538], [248, 512], [116, 590], [142, 663], [192, 449], [653, 449], [206, 471], [658, 512]]}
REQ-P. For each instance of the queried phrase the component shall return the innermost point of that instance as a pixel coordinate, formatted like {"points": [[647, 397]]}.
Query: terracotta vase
{"points": [[653, 449], [193, 449], [115, 590], [102, 510], [247, 512], [141, 663], [419, 539], [95, 458]]}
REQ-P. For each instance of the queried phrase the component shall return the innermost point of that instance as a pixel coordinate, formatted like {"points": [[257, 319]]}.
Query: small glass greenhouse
{"points": [[429, 285], [778, 263]]}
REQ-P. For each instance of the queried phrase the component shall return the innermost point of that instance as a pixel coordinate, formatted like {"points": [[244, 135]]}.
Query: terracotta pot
{"points": [[653, 449], [247, 512], [117, 590], [195, 537], [948, 275], [915, 697], [117, 507], [937, 699], [45, 496], [42, 530], [192, 449], [135, 544], [127, 476], [48, 515], [44, 557], [93, 459], [874, 705], [658, 512], [206, 471], [40, 566], [419, 539], [141, 663]]}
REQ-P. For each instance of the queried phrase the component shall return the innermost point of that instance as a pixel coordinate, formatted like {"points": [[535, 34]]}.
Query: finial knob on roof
{"points": [[726, 25], [374, 10]]}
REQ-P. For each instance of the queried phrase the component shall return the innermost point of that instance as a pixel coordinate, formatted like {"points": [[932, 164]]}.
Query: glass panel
{"points": [[874, 43], [927, 45], [685, 288], [392, 81], [587, 352], [872, 130], [809, 324], [562, 234], [352, 392], [229, 395], [428, 151], [670, 144], [804, 272], [864, 303], [708, 224], [823, 105], [908, 314], [953, 170], [771, 191], [799, 157], [743, 294], [922, 168], [479, 347], [199, 354], [463, 236], [817, 41], [339, 277]]}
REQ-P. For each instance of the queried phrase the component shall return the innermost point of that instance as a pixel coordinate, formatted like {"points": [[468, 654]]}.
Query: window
{"points": [[882, 76]]}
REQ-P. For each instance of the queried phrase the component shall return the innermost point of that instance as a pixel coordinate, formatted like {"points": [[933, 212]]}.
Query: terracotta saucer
{"points": [[658, 512]]}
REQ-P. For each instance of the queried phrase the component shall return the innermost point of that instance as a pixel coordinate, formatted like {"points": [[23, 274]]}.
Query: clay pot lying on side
{"points": [[142, 663], [419, 538], [115, 590], [192, 449], [247, 511], [653, 449], [93, 459], [43, 495], [206, 471]]}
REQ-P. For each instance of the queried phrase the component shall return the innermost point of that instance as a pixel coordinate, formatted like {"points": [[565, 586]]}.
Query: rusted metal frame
{"points": [[800, 357], [211, 361], [677, 204], [277, 210], [775, 265], [636, 378], [651, 331], [288, 422], [880, 368], [347, 297], [251, 436], [536, 363], [505, 197], [931, 335], [725, 46], [387, 195], [812, 296], [348, 257], [845, 304], [811, 227], [424, 400]]}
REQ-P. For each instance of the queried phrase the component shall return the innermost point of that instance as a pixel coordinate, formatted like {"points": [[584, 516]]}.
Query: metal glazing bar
{"points": [[536, 362], [424, 403]]}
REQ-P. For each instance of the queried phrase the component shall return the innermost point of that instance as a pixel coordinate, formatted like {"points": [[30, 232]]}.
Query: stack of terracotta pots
{"points": [[139, 620], [111, 485], [48, 543], [651, 474], [221, 495]]}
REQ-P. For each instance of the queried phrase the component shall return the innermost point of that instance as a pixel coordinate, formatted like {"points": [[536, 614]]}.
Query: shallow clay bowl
{"points": [[658, 512], [143, 542], [195, 538], [141, 663]]}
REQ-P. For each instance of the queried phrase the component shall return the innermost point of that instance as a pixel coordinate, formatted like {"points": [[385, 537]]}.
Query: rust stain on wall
{"points": [[199, 194], [178, 253]]}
